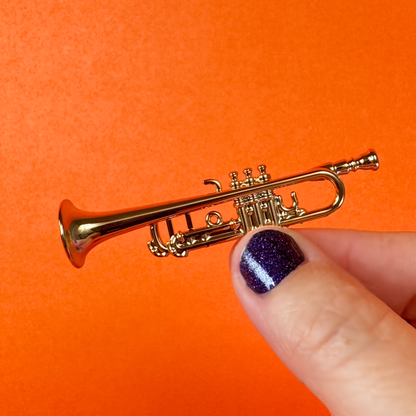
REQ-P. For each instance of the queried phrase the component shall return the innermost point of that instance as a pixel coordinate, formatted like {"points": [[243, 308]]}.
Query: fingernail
{"points": [[268, 258]]}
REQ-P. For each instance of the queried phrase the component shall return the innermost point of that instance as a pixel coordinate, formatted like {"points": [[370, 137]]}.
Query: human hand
{"points": [[338, 316]]}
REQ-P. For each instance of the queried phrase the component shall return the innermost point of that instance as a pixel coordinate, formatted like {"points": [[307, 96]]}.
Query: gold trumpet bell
{"points": [[68, 213], [254, 199]]}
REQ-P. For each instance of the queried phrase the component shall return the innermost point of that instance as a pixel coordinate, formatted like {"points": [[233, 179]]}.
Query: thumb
{"points": [[342, 342]]}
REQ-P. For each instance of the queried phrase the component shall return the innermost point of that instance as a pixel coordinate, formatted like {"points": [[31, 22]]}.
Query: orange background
{"points": [[115, 103]]}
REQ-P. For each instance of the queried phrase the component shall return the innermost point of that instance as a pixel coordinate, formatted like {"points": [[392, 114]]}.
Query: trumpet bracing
{"points": [[256, 204]]}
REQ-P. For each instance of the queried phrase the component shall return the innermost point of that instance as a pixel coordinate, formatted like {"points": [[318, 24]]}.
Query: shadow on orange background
{"points": [[115, 104]]}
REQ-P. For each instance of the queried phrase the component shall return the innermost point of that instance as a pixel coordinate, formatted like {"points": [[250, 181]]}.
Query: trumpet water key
{"points": [[254, 199]]}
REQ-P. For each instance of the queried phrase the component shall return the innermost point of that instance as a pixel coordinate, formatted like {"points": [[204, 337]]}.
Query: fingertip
{"points": [[271, 250], [253, 301]]}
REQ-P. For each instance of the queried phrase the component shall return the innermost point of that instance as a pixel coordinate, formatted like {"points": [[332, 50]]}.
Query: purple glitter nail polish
{"points": [[268, 258]]}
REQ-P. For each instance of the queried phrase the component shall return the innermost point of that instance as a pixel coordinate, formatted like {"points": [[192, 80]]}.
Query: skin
{"points": [[344, 321]]}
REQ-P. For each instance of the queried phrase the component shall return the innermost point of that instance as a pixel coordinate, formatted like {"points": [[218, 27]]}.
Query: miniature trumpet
{"points": [[256, 204]]}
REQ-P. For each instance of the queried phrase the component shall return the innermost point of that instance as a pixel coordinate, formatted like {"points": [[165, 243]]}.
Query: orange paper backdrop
{"points": [[120, 103]]}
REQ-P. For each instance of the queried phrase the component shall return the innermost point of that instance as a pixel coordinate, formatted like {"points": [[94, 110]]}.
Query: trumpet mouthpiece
{"points": [[366, 161]]}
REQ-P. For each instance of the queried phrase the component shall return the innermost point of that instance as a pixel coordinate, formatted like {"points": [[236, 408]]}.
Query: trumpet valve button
{"points": [[250, 180], [247, 172], [235, 184], [264, 177]]}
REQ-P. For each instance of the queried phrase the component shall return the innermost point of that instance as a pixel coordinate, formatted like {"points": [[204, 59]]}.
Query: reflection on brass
{"points": [[256, 204]]}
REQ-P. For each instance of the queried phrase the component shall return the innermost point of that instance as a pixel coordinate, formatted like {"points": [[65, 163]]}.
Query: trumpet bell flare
{"points": [[67, 213]]}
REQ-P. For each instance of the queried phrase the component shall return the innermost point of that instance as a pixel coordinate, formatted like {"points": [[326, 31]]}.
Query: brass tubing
{"points": [[81, 231]]}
